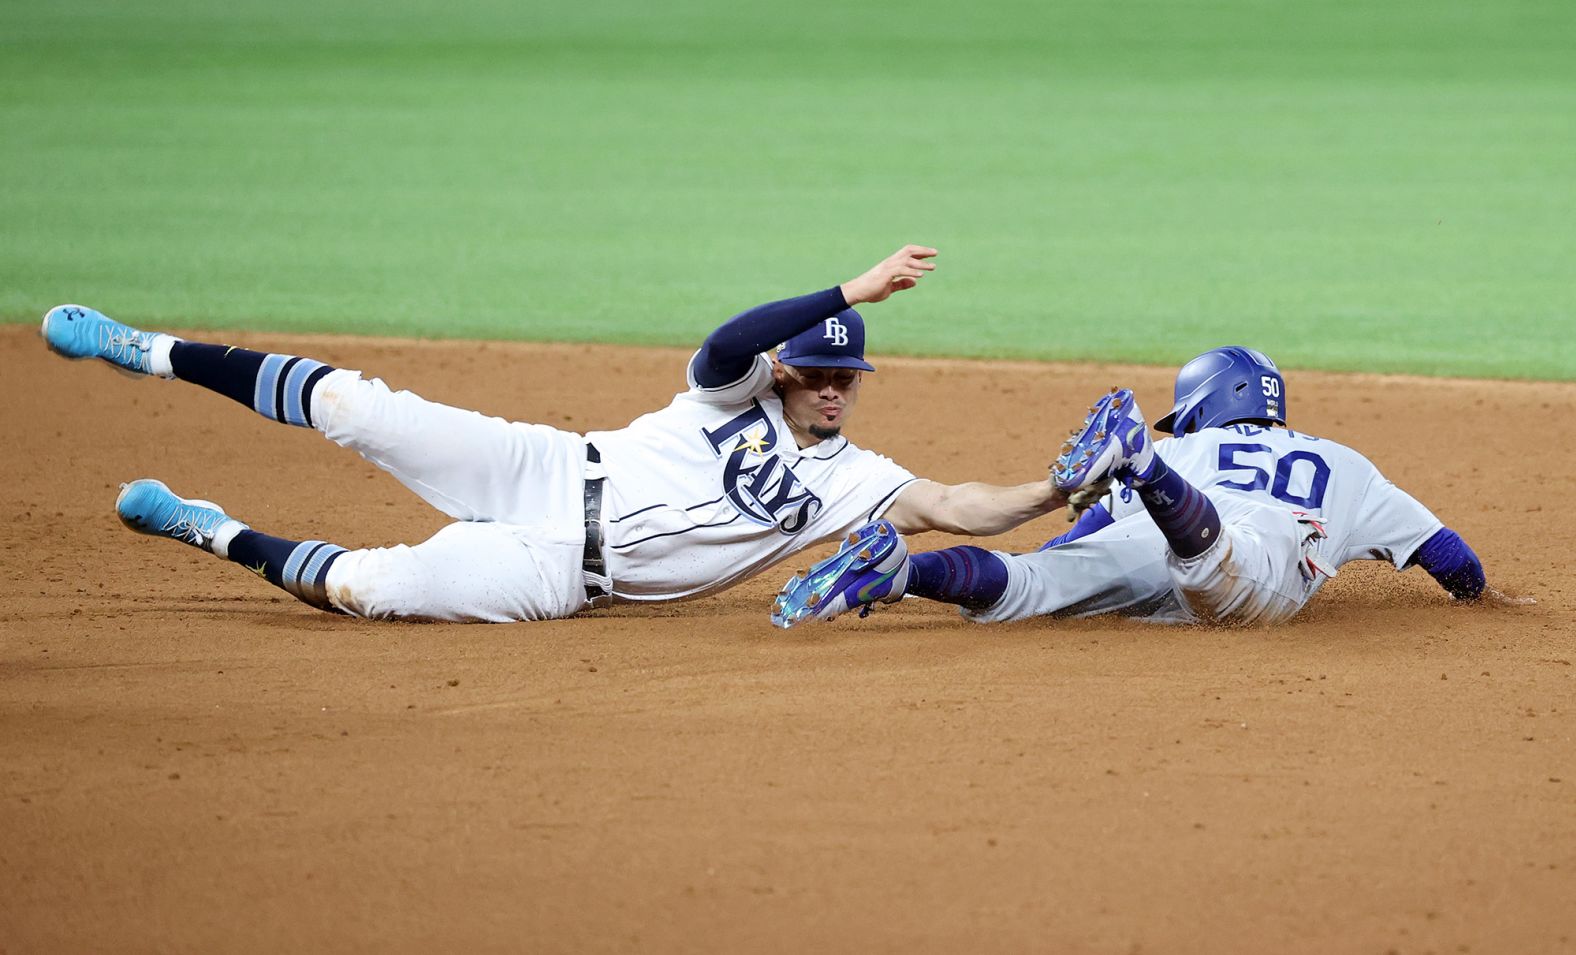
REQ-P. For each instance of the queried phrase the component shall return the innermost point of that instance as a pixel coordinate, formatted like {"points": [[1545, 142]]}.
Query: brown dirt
{"points": [[191, 761]]}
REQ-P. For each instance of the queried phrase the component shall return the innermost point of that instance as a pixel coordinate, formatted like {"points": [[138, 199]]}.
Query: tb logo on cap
{"points": [[836, 332]]}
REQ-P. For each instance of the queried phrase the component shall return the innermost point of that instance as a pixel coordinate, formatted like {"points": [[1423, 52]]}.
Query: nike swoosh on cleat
{"points": [[863, 594]]}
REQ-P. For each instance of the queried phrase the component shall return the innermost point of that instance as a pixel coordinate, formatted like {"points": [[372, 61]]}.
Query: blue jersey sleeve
{"points": [[1449, 560]]}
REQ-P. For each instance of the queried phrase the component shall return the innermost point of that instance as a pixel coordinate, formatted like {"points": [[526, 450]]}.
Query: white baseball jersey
{"points": [[697, 496], [713, 489], [1256, 477]]}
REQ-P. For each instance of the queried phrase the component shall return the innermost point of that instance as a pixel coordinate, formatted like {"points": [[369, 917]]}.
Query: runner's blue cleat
{"points": [[1114, 442], [872, 565]]}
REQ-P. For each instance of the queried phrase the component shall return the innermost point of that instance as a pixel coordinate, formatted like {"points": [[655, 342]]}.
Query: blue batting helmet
{"points": [[1225, 385]]}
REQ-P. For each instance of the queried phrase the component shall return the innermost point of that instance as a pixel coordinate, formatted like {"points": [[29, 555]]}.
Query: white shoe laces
{"points": [[122, 344], [193, 525]]}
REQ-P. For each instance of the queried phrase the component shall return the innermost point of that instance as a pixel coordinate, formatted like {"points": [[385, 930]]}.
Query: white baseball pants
{"points": [[515, 489]]}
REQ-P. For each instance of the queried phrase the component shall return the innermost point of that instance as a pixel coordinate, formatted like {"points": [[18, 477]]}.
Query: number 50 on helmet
{"points": [[1226, 386]]}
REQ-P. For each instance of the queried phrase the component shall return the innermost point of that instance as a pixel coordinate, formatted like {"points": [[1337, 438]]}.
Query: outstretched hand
{"points": [[1496, 598], [898, 271]]}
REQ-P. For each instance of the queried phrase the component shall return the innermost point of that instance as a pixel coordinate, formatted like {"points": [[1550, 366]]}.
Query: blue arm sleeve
{"points": [[1449, 560], [1089, 521], [728, 352]]}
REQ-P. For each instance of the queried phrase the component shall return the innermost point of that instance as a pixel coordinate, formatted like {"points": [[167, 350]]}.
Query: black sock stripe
{"points": [[306, 392], [279, 387], [307, 562], [317, 587], [327, 563]]}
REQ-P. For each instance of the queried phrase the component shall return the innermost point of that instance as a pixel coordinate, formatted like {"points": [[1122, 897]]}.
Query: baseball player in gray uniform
{"points": [[745, 466], [1236, 519]]}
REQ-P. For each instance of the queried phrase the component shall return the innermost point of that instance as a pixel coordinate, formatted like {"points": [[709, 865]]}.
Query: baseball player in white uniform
{"points": [[743, 468], [1235, 520]]}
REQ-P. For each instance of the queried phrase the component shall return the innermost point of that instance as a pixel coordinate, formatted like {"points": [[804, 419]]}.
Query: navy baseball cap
{"points": [[837, 342]]}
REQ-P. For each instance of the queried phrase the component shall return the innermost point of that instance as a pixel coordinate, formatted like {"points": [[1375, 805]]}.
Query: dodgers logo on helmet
{"points": [[755, 479], [1223, 386]]}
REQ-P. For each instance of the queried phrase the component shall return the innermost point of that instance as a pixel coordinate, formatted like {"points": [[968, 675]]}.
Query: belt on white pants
{"points": [[599, 586]]}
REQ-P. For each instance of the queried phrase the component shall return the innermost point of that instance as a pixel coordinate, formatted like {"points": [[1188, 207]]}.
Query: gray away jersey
{"points": [[1367, 516]]}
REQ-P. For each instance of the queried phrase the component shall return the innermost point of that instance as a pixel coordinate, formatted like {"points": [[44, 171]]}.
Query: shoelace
{"points": [[124, 345], [187, 524]]}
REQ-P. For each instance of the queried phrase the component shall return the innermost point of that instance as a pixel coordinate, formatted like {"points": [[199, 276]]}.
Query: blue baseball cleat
{"points": [[150, 507], [1114, 442], [872, 565], [77, 332]]}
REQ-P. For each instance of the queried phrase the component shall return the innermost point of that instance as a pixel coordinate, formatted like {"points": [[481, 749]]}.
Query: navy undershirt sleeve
{"points": [[729, 351], [1094, 519], [1449, 560]]}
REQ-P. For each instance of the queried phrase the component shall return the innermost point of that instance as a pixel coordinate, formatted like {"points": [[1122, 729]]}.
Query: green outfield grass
{"points": [[1383, 185]]}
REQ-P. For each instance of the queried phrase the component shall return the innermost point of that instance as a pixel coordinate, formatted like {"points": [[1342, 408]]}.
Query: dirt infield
{"points": [[191, 761]]}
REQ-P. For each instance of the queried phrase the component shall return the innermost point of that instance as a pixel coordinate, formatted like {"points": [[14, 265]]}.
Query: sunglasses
{"points": [[817, 378]]}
